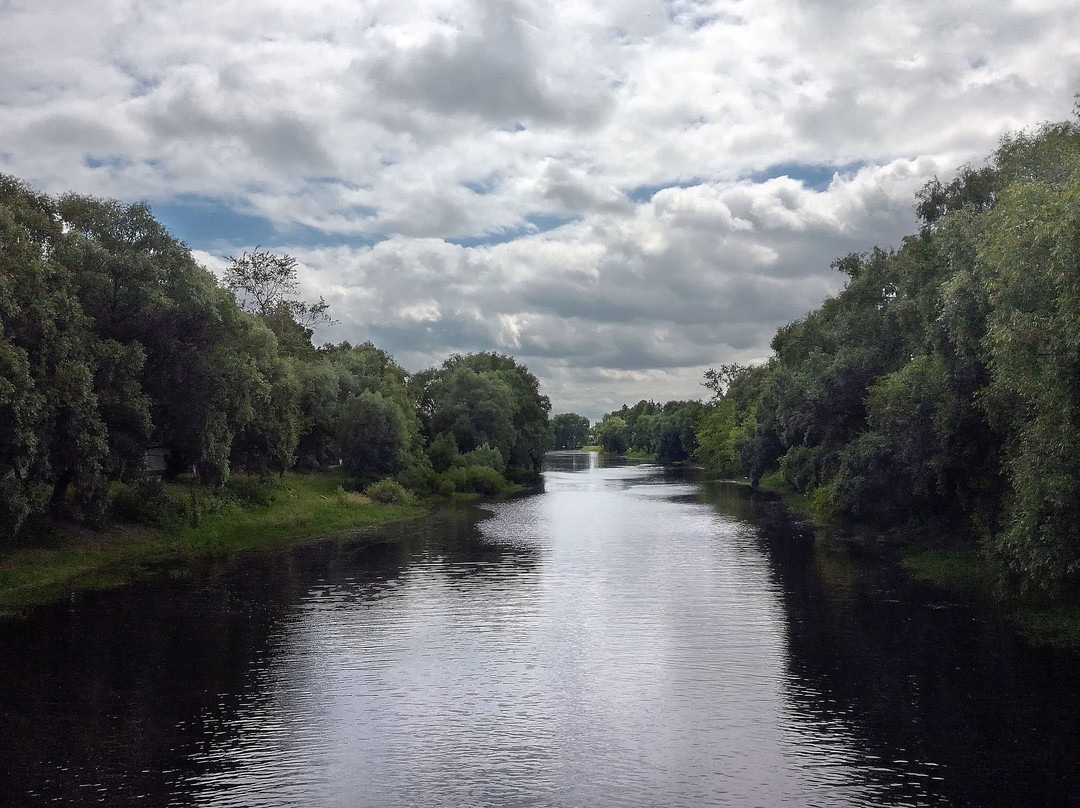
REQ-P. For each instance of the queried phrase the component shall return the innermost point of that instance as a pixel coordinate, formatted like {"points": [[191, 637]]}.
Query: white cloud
{"points": [[630, 155]]}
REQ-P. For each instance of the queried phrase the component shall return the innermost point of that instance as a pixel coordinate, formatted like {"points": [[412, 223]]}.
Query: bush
{"points": [[820, 502], [482, 455], [484, 480], [150, 502], [250, 490], [443, 451], [421, 480], [388, 492], [447, 486], [453, 480]]}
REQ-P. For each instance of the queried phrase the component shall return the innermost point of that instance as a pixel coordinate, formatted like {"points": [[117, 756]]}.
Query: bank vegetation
{"points": [[936, 399]]}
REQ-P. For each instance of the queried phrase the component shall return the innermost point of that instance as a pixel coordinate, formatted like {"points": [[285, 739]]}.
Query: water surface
{"points": [[626, 637]]}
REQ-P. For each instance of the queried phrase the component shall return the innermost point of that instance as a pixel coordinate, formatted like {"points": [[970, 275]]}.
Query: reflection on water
{"points": [[626, 637]]}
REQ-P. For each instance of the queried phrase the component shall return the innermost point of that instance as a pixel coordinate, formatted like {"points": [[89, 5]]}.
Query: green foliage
{"points": [[613, 434], [571, 431], [443, 451], [486, 398], [420, 478], [373, 436], [116, 346], [151, 502], [264, 284], [939, 389], [388, 492], [52, 435], [482, 455], [675, 429], [248, 489], [481, 480], [822, 505], [1031, 252]]}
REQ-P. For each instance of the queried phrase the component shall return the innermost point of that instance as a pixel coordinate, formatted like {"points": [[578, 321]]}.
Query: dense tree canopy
{"points": [[937, 396], [114, 343], [487, 398], [939, 392], [570, 430], [669, 431]]}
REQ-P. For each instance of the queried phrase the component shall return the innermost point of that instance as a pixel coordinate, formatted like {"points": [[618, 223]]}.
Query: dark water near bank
{"points": [[628, 637]]}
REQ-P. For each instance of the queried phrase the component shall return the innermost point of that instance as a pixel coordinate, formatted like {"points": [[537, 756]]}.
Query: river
{"points": [[627, 636]]}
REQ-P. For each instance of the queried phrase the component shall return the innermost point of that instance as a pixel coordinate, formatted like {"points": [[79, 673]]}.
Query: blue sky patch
{"points": [[111, 161], [538, 223], [645, 193], [814, 177], [204, 223], [484, 185]]}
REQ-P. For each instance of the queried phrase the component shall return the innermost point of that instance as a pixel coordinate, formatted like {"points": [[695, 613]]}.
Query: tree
{"points": [[265, 284], [51, 432], [487, 398], [373, 436], [676, 431], [613, 435], [1032, 249], [719, 379], [716, 440], [571, 431]]}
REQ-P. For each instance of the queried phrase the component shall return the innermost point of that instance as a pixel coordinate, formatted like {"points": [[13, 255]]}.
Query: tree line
{"points": [[937, 396], [117, 349]]}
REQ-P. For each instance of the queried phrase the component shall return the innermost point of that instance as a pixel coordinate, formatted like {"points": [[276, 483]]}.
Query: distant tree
{"points": [[329, 380], [266, 284], [373, 436], [487, 398], [716, 440], [719, 379], [613, 434], [571, 430]]}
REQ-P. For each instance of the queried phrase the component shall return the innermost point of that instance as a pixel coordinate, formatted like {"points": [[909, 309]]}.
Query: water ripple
{"points": [[626, 647]]}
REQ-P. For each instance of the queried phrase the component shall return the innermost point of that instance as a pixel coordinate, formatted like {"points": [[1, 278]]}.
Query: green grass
{"points": [[795, 502], [65, 558], [1042, 618], [961, 570], [1057, 624]]}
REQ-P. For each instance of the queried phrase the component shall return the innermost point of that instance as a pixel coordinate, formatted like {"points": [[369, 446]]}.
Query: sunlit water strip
{"points": [[625, 646]]}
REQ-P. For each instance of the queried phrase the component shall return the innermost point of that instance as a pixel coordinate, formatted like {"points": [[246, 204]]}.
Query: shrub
{"points": [[447, 485], [482, 455], [484, 480], [820, 502], [420, 479], [388, 492], [150, 502], [250, 490]]}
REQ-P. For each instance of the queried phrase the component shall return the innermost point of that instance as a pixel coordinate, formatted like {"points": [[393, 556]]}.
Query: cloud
{"points": [[618, 192]]}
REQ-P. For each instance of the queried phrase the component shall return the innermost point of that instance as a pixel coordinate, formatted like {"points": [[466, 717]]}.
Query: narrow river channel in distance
{"points": [[626, 636]]}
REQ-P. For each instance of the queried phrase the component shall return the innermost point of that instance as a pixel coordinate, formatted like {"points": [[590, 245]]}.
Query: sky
{"points": [[618, 193]]}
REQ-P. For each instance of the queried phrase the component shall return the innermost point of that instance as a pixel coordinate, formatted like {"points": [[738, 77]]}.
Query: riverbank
{"points": [[178, 523], [966, 574], [1041, 617]]}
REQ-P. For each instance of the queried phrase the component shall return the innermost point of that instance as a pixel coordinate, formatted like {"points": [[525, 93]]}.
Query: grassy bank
{"points": [[1042, 617], [965, 572], [797, 503], [184, 522]]}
